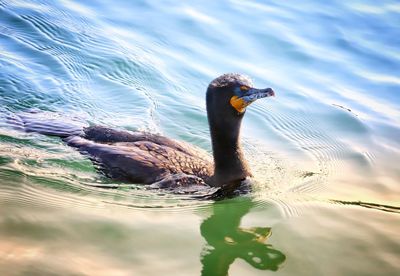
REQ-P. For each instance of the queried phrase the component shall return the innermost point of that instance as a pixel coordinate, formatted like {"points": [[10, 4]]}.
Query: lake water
{"points": [[325, 152]]}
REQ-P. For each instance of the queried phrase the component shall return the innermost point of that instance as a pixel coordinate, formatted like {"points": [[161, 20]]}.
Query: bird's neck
{"points": [[229, 162]]}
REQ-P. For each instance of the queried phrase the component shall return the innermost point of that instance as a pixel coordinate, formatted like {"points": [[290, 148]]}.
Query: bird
{"points": [[158, 161]]}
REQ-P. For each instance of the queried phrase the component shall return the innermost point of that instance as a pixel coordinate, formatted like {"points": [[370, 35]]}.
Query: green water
{"points": [[324, 153]]}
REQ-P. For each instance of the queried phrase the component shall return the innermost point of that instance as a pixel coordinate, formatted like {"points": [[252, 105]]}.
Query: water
{"points": [[324, 152]]}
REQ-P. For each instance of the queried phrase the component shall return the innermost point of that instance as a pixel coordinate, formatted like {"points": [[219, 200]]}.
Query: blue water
{"points": [[324, 152]]}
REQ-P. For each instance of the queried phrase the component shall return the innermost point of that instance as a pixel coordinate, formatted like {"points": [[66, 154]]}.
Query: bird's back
{"points": [[141, 157]]}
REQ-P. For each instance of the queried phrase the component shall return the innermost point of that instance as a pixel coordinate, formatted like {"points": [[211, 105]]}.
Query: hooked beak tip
{"points": [[271, 92]]}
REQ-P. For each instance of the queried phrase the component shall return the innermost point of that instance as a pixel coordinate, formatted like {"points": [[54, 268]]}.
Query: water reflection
{"points": [[228, 241]]}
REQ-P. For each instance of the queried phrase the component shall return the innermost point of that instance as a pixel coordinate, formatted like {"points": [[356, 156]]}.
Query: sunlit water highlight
{"points": [[325, 153]]}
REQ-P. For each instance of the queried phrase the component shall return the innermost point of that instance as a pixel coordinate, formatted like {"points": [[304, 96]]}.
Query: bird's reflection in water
{"points": [[228, 241]]}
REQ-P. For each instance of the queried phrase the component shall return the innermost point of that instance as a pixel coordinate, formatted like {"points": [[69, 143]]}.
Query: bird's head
{"points": [[230, 94]]}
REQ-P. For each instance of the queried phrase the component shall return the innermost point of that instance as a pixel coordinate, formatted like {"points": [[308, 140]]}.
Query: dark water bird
{"points": [[145, 158]]}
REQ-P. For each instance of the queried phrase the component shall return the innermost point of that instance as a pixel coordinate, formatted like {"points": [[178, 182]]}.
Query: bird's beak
{"points": [[252, 94]]}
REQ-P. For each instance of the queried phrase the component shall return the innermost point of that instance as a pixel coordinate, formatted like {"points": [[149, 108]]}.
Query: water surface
{"points": [[325, 152]]}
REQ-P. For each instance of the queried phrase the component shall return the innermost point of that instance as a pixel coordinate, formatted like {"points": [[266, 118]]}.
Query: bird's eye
{"points": [[244, 88]]}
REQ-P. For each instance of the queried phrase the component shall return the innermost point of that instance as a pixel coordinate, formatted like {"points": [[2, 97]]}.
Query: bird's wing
{"points": [[189, 162], [142, 161], [108, 135]]}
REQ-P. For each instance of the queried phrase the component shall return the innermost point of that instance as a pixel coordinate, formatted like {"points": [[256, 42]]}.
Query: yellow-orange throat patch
{"points": [[238, 103]]}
